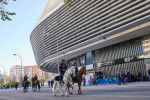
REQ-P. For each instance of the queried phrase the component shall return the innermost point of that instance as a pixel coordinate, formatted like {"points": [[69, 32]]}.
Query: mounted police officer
{"points": [[62, 68], [76, 71], [35, 77], [25, 78]]}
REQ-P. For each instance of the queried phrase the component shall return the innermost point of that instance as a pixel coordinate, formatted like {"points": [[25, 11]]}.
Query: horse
{"points": [[67, 78], [35, 83], [25, 86], [78, 80]]}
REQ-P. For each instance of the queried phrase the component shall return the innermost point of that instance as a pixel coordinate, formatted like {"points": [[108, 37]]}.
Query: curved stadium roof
{"points": [[84, 26]]}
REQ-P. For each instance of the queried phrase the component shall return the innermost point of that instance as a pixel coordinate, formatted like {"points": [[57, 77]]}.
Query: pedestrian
{"points": [[94, 79], [128, 77], [149, 74], [118, 78], [49, 83], [84, 80], [139, 76], [11, 86], [91, 80], [16, 86], [123, 77], [52, 82], [43, 83]]}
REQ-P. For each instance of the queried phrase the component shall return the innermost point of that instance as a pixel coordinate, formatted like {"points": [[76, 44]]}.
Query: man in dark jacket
{"points": [[123, 77], [16, 86], [76, 69], [128, 77], [35, 77], [118, 78], [62, 68], [149, 74], [25, 78]]}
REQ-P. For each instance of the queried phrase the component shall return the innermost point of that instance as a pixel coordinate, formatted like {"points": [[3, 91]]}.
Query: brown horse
{"points": [[78, 80], [35, 84], [25, 86]]}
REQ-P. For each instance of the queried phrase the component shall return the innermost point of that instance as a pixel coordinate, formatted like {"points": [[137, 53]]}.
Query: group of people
{"points": [[124, 77], [62, 70], [50, 83], [26, 79]]}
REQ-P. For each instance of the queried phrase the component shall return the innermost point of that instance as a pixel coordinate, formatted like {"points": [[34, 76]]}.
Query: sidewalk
{"points": [[133, 84]]}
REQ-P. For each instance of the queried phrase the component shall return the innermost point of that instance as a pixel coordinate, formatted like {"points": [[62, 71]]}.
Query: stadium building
{"points": [[108, 36]]}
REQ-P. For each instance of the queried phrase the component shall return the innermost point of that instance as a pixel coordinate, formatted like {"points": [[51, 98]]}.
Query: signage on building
{"points": [[124, 60], [127, 59], [88, 67]]}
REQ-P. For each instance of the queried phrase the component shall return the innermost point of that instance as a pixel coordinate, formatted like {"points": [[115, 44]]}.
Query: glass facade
{"points": [[127, 55], [82, 60], [89, 58]]}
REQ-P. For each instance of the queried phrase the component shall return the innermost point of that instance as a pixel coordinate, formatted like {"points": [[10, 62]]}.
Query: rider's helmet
{"points": [[62, 60]]}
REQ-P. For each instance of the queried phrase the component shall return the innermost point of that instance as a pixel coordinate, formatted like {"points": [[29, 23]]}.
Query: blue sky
{"points": [[15, 34]]}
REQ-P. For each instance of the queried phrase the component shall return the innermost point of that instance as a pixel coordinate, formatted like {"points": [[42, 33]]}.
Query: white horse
{"points": [[67, 79]]}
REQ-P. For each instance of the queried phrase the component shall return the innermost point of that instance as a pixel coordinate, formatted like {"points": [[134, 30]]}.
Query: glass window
{"points": [[82, 60], [89, 58]]}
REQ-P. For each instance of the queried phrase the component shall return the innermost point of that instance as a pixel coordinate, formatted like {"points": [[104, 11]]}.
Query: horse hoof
{"points": [[71, 93], [55, 95]]}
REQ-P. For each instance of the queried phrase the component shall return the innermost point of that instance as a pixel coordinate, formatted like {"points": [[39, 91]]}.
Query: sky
{"points": [[15, 34]]}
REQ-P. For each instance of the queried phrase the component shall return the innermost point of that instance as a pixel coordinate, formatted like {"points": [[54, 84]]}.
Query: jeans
{"points": [[118, 81]]}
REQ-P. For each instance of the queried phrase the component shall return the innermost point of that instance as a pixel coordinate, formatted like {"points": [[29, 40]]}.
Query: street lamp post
{"points": [[21, 67], [4, 73], [57, 57]]}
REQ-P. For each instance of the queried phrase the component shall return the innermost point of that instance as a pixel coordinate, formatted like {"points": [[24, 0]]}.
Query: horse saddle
{"points": [[58, 78]]}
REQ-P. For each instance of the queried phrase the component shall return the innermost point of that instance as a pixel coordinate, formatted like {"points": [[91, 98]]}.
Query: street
{"points": [[89, 93]]}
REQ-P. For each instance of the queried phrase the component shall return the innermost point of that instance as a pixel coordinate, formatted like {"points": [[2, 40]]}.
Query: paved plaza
{"points": [[133, 91]]}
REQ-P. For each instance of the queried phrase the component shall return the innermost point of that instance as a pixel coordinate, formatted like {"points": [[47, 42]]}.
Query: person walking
{"points": [[128, 77], [123, 77], [49, 83], [149, 74], [91, 80], [118, 78], [84, 80], [16, 86], [52, 82]]}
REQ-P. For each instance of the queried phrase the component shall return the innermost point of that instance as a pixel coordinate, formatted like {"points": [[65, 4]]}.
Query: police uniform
{"points": [[62, 69]]}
